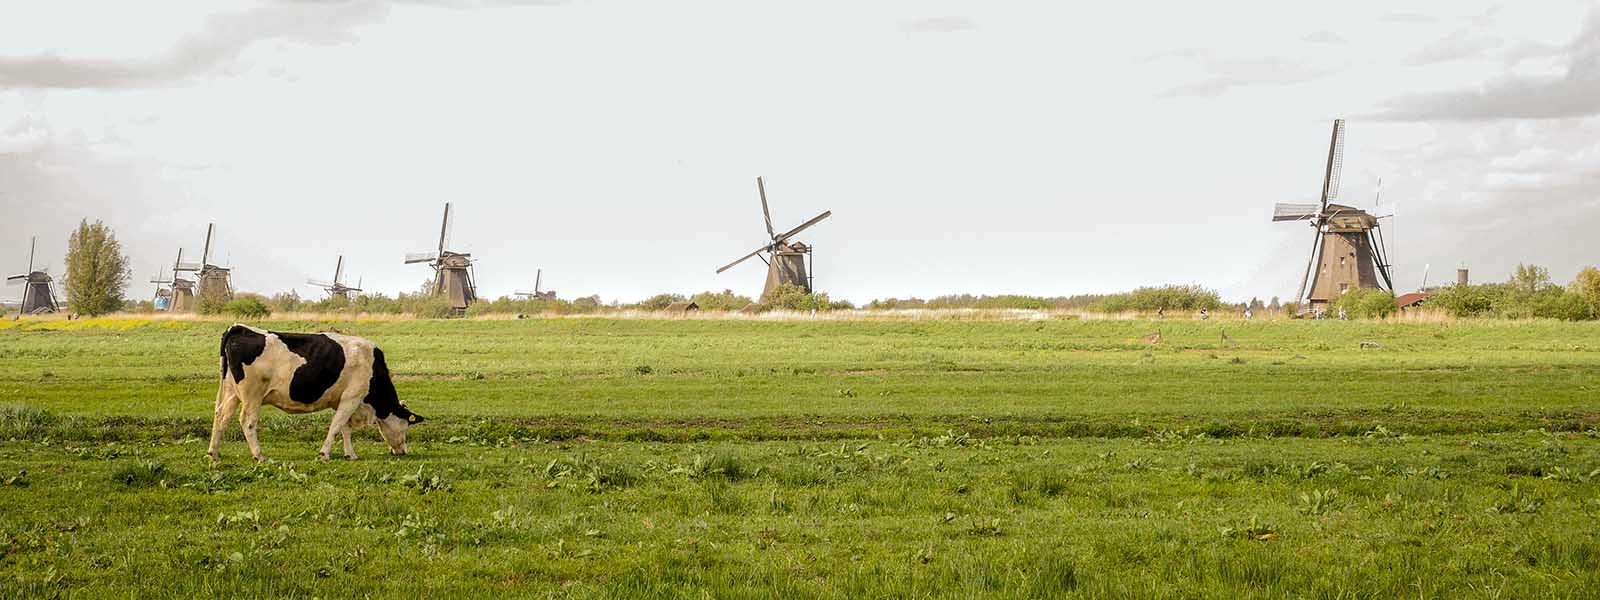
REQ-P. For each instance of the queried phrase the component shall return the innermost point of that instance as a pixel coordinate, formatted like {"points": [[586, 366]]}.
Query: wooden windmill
{"points": [[178, 296], [211, 280], [336, 288], [537, 294], [38, 291], [1348, 251], [453, 274], [786, 260]]}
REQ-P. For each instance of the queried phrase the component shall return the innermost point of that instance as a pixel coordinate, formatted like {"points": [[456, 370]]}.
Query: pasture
{"points": [[592, 457]]}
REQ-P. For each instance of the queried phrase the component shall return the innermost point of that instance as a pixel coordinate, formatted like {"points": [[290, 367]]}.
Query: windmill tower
{"points": [[336, 288], [536, 294], [212, 280], [1348, 250], [786, 260], [453, 273], [38, 293]]}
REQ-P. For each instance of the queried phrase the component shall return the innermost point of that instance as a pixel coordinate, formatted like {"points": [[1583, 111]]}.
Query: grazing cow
{"points": [[306, 373]]}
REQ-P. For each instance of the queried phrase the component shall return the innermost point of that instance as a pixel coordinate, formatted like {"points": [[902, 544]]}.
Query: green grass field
{"points": [[742, 458]]}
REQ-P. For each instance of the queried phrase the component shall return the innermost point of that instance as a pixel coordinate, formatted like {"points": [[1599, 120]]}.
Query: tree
{"points": [[1529, 279], [1587, 286], [97, 271]]}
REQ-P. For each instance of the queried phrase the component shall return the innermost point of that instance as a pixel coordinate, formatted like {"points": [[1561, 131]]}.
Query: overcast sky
{"points": [[986, 147]]}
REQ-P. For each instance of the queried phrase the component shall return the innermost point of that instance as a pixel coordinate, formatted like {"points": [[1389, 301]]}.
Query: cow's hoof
{"points": [[260, 458], [351, 457], [322, 456], [213, 456]]}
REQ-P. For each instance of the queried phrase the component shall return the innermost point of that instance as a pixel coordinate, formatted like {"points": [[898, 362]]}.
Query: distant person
{"points": [[1343, 316], [1247, 314], [1161, 312], [1204, 314]]}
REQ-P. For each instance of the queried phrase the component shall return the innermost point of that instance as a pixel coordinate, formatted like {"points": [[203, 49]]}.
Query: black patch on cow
{"points": [[324, 362], [382, 395], [240, 346]]}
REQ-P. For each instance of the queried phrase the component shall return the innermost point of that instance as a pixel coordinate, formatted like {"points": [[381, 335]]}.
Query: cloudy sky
{"points": [[985, 147]]}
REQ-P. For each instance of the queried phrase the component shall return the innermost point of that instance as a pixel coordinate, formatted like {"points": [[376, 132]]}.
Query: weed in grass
{"points": [[141, 474], [1517, 502], [1318, 502]]}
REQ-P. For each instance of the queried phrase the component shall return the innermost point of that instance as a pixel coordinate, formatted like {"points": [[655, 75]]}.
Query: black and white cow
{"points": [[305, 373]]}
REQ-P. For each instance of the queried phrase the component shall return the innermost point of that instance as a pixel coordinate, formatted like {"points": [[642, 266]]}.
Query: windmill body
{"points": [[788, 260], [213, 281], [1347, 252], [38, 289], [453, 272]]}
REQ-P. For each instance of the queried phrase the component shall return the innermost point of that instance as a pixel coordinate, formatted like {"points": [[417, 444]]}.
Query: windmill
{"points": [[38, 295], [536, 294], [179, 295], [211, 281], [1348, 250], [336, 288], [453, 273], [786, 260]]}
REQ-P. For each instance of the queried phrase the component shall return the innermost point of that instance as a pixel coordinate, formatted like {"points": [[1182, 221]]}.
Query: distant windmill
{"points": [[536, 294], [211, 281], [179, 294], [38, 295], [453, 273], [786, 260], [1348, 250], [336, 288]]}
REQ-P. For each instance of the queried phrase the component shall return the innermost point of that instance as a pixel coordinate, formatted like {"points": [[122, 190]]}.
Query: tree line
{"points": [[98, 273]]}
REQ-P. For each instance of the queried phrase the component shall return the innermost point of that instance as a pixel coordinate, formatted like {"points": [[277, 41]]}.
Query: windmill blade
{"points": [[158, 279], [33, 244], [1305, 279], [183, 266], [338, 270], [1330, 179], [803, 226], [205, 256], [538, 278], [417, 257], [747, 257], [16, 279], [319, 283], [766, 213], [444, 230], [1294, 212]]}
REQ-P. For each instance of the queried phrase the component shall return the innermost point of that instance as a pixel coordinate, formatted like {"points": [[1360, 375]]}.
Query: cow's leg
{"points": [[247, 422], [341, 420], [349, 449], [227, 402]]}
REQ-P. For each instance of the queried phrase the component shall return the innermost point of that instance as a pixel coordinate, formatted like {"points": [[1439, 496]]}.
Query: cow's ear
{"points": [[414, 419]]}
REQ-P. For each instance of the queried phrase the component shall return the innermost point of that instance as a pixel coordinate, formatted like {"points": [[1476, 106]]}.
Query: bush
{"points": [[247, 307], [212, 304], [1167, 297], [1467, 300], [656, 302], [724, 300], [434, 308], [1366, 304], [794, 297]]}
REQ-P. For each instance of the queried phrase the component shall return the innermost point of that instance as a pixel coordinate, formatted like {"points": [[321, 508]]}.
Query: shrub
{"points": [[434, 308], [247, 307], [724, 300], [1167, 297], [794, 297], [1366, 304]]}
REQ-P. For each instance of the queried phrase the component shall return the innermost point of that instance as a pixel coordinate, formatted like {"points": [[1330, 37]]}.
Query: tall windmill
{"points": [[212, 280], [453, 273], [536, 294], [38, 295], [1348, 250], [336, 288], [786, 260]]}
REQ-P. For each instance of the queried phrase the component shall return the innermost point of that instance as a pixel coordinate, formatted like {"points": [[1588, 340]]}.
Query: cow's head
{"points": [[393, 428]]}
